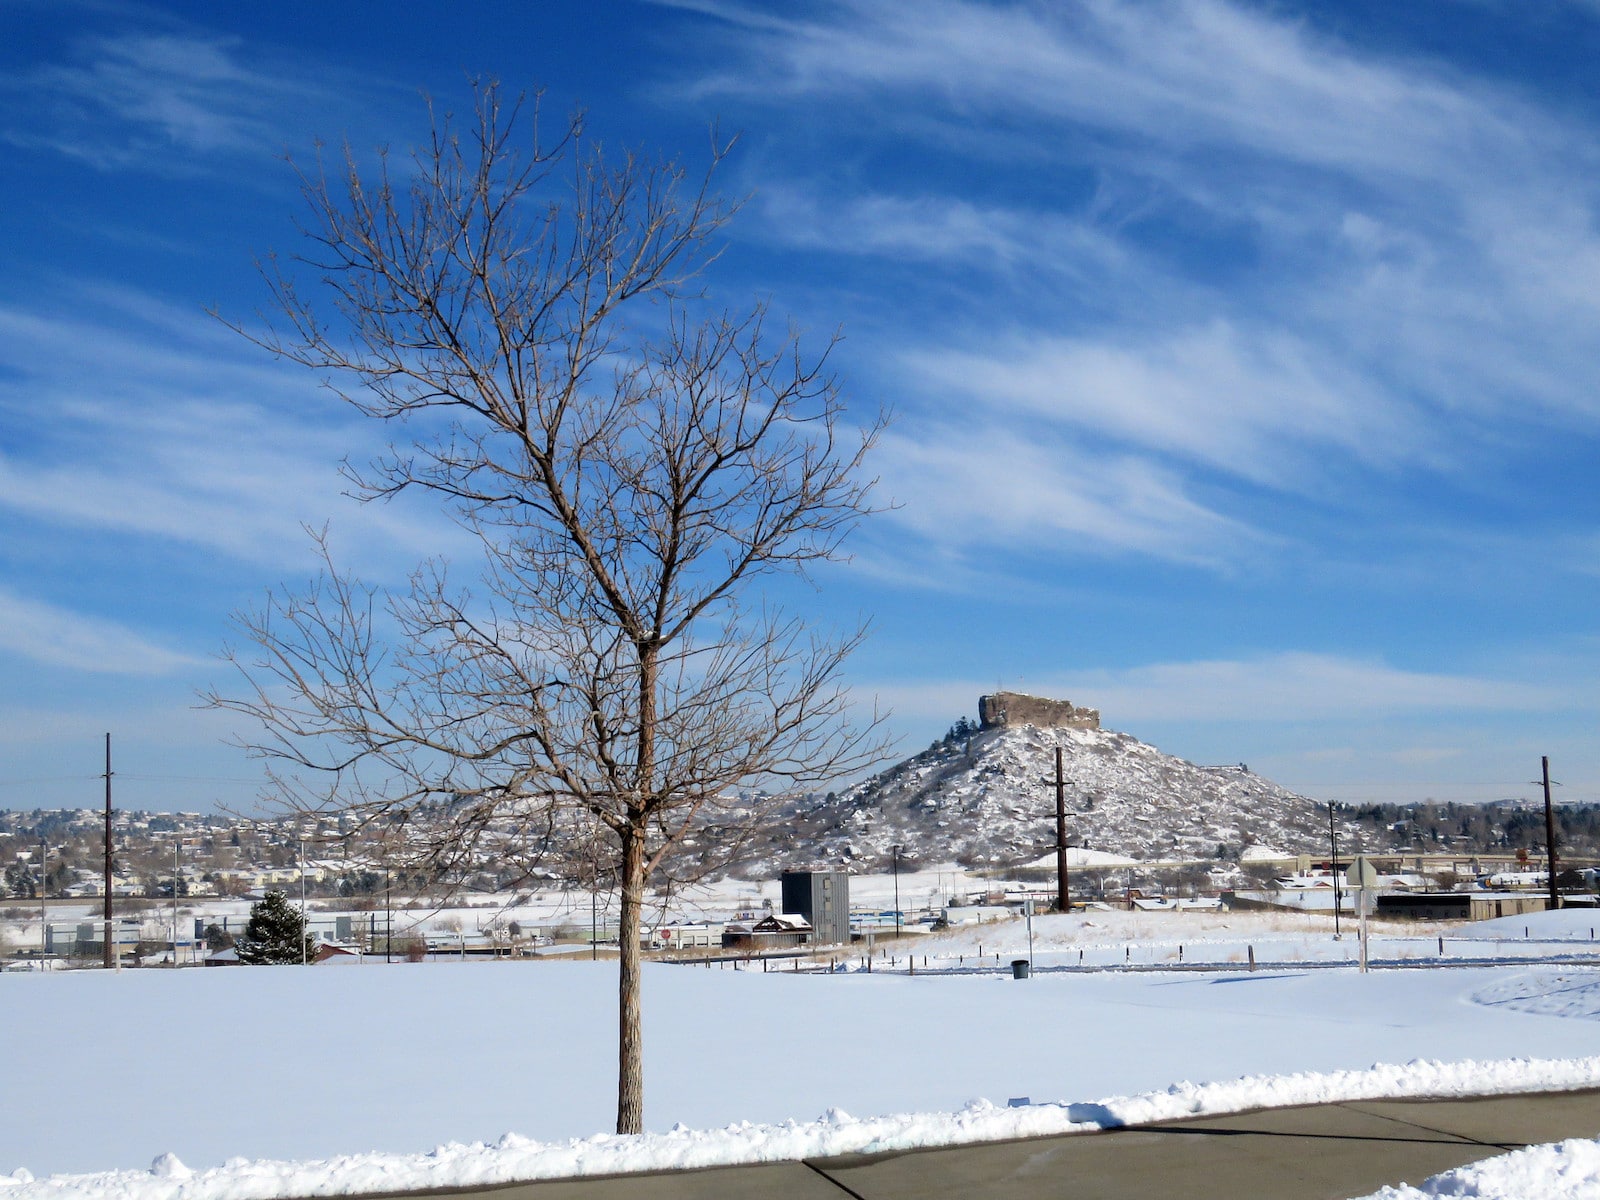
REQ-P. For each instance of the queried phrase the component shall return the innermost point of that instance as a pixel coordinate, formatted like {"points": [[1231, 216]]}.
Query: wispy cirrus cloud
{"points": [[169, 100], [947, 229], [57, 637], [1280, 688], [129, 416], [1259, 256], [1213, 395], [1180, 73], [970, 485]]}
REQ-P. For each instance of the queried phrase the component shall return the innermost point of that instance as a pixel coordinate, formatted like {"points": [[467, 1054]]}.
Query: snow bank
{"points": [[1567, 1170], [516, 1159], [1577, 924], [1077, 856], [1258, 854], [1573, 994]]}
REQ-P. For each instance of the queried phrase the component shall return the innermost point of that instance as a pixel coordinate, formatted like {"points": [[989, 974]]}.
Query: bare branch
{"points": [[521, 313]]}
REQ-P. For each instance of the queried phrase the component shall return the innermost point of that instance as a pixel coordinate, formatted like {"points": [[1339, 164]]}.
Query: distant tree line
{"points": [[1451, 826]]}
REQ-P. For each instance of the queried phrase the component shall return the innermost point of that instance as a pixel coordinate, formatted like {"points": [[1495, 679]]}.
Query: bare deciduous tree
{"points": [[631, 468]]}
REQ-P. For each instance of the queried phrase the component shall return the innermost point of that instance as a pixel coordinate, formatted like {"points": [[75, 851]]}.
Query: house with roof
{"points": [[770, 932]]}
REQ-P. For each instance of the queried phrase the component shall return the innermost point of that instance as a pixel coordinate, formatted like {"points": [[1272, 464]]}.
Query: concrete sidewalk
{"points": [[1331, 1152]]}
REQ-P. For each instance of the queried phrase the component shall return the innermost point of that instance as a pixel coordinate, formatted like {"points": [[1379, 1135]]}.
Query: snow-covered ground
{"points": [[1113, 937], [1117, 938], [1567, 1170], [513, 1158], [296, 1064]]}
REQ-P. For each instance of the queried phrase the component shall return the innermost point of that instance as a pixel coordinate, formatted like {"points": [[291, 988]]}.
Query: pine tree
{"points": [[276, 933]]}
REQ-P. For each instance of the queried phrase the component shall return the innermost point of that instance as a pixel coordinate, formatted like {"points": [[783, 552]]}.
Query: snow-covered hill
{"points": [[992, 796]]}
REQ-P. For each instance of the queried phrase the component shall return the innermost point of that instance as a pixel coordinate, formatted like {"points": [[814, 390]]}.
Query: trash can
{"points": [[1019, 968]]}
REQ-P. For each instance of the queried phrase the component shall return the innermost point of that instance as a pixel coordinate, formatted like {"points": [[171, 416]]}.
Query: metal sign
{"points": [[1362, 874]]}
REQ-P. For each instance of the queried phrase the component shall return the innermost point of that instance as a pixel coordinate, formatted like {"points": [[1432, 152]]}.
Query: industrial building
{"points": [[823, 899]]}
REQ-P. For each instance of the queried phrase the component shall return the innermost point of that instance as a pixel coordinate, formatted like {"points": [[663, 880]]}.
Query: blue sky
{"points": [[1243, 355]]}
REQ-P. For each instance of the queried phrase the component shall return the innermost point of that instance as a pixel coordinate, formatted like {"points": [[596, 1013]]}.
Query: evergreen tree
{"points": [[276, 933], [958, 733]]}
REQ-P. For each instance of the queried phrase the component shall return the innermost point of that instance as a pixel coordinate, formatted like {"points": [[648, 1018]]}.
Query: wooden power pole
{"points": [[110, 949], [1550, 835], [1063, 892]]}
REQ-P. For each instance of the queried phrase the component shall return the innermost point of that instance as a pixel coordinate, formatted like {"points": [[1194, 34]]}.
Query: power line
{"points": [[187, 778], [1437, 783], [47, 779], [128, 775]]}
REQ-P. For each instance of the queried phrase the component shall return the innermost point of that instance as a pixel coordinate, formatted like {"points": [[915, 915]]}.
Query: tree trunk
{"points": [[630, 1039]]}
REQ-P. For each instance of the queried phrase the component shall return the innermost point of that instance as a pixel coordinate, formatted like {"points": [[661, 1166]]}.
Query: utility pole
{"points": [[1333, 866], [1063, 890], [111, 952], [44, 928], [176, 840], [305, 923], [896, 849], [1550, 834]]}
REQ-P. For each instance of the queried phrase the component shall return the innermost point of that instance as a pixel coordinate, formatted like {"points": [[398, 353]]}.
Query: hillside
{"points": [[991, 796]]}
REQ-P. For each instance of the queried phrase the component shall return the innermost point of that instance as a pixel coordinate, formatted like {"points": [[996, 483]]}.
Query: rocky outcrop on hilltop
{"points": [[991, 797], [1014, 708]]}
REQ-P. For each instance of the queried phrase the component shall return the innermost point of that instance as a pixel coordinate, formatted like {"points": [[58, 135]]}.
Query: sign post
{"points": [[1362, 876], [1027, 908]]}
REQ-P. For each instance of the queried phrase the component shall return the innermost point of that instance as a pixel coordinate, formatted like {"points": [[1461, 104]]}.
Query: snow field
{"points": [[261, 1082], [292, 1063], [1118, 937]]}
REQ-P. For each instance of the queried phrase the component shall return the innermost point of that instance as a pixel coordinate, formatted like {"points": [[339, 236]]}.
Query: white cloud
{"points": [[1179, 73], [944, 229], [1397, 281], [1303, 687], [977, 485], [57, 637], [1252, 403], [165, 425], [165, 100], [1273, 689]]}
